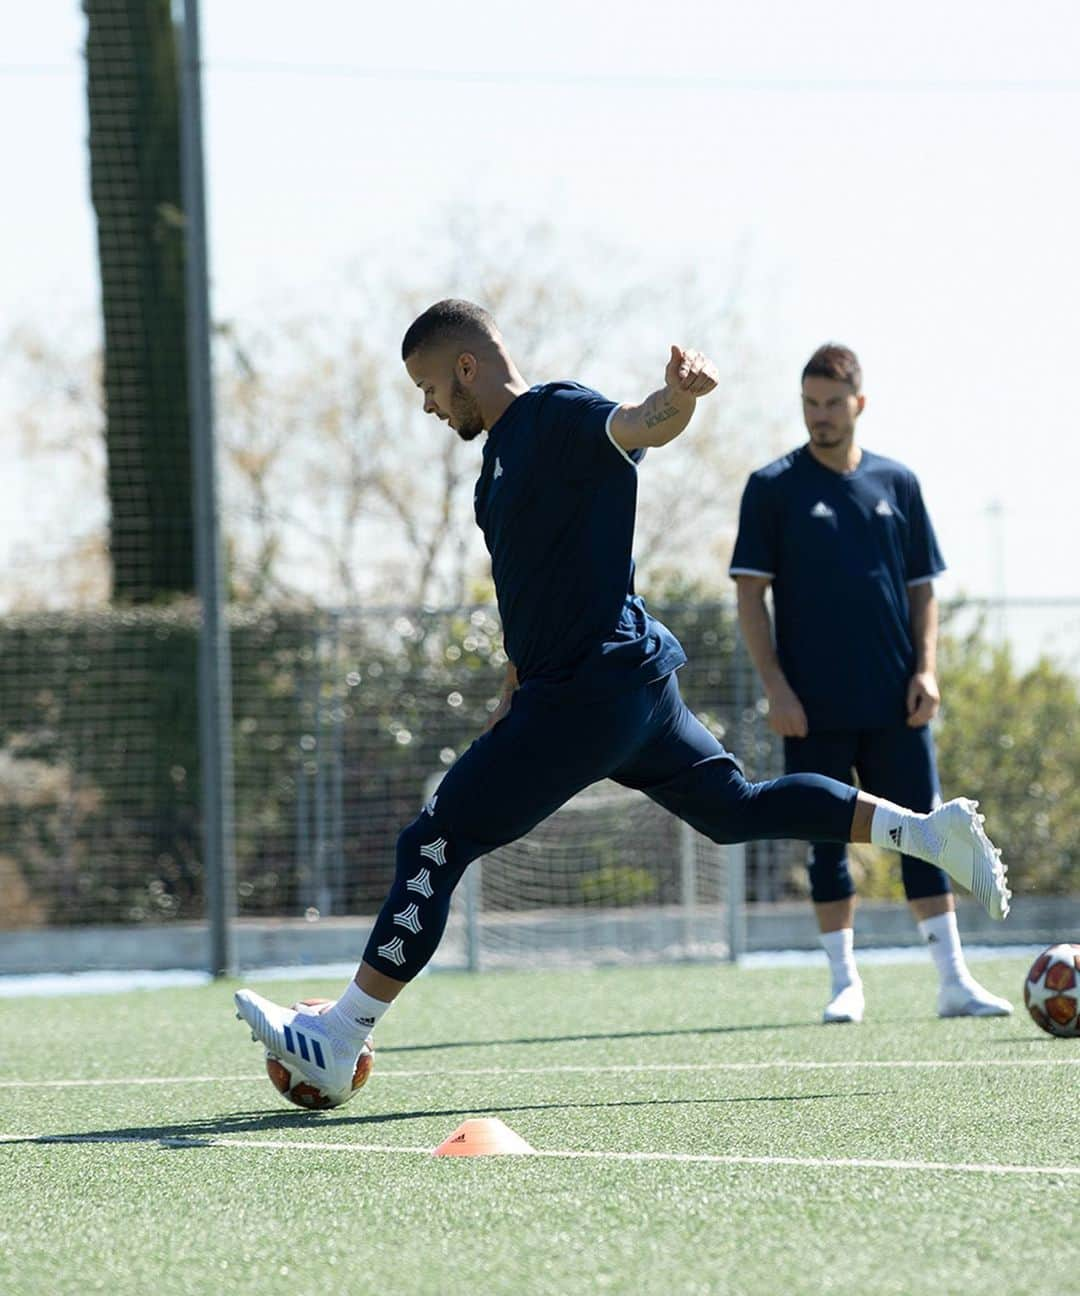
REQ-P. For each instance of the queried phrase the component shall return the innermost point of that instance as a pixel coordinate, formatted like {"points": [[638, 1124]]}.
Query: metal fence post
{"points": [[687, 883], [736, 901], [319, 893], [473, 882], [337, 786], [215, 683]]}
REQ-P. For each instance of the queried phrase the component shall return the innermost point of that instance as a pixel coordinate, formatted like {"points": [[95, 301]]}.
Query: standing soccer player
{"points": [[590, 691], [844, 540]]}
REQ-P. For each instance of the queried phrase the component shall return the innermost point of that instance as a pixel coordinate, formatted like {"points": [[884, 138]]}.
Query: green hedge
{"points": [[340, 720]]}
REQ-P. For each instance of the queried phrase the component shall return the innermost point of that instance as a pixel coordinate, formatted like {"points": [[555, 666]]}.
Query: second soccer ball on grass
{"points": [[1052, 990]]}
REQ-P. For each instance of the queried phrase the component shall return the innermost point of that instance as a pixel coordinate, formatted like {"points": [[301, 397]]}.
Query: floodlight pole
{"points": [[215, 684]]}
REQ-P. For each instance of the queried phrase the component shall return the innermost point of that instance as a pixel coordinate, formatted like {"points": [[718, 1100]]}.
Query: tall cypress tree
{"points": [[134, 100]]}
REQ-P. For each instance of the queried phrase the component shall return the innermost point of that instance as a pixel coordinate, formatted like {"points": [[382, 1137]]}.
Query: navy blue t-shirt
{"points": [[556, 500], [841, 549]]}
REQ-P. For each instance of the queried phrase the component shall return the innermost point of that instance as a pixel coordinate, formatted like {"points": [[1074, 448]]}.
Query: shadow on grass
{"points": [[201, 1133], [588, 1037], [1041, 1040]]}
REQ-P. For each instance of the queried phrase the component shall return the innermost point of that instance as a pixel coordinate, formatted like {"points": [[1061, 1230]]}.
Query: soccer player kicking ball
{"points": [[590, 691]]}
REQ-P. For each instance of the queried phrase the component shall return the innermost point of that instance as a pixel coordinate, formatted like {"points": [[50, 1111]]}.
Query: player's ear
{"points": [[860, 405], [465, 368]]}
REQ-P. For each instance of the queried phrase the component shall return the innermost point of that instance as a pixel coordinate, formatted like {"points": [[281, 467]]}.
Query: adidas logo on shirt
{"points": [[498, 469], [884, 508], [822, 510]]}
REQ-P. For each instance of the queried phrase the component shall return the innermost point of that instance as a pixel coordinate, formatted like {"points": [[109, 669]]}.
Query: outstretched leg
{"points": [[686, 770]]}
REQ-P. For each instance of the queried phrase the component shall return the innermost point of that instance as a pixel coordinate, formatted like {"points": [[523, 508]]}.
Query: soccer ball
{"points": [[299, 1090], [1052, 990]]}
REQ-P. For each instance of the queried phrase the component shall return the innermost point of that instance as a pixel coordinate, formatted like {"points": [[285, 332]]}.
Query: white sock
{"points": [[902, 830], [840, 948], [355, 1015], [943, 939]]}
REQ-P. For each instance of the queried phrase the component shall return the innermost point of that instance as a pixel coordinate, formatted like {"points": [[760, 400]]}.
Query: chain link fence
{"points": [[341, 719]]}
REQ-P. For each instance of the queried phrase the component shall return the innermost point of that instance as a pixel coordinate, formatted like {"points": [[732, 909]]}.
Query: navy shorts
{"points": [[897, 764], [547, 749]]}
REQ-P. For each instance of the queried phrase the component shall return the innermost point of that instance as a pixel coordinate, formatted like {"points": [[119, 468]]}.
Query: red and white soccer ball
{"points": [[1052, 990], [297, 1089]]}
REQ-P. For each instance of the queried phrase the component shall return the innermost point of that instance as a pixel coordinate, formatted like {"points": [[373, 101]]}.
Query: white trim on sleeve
{"points": [[925, 580], [607, 429], [750, 571]]}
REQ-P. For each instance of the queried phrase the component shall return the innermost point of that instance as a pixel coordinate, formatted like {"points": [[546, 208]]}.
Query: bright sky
{"points": [[905, 177]]}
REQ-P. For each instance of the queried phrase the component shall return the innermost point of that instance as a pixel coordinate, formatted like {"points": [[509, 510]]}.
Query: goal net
{"points": [[610, 878]]}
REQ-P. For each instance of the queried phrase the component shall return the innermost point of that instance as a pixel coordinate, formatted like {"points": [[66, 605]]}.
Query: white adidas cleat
{"points": [[969, 856], [302, 1040], [847, 1005], [969, 999]]}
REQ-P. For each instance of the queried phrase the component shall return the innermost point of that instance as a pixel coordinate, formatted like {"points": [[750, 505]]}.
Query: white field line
{"points": [[704, 1158], [402, 1073]]}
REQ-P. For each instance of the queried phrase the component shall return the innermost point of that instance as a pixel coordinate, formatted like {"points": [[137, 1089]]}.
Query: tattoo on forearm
{"points": [[658, 411]]}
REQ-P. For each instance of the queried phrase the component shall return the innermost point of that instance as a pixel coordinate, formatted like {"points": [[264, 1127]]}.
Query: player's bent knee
{"points": [[413, 916], [736, 817], [830, 878], [717, 799], [423, 845], [430, 860], [923, 881]]}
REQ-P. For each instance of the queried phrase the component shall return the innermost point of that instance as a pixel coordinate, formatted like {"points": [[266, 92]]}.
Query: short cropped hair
{"points": [[446, 321], [837, 362]]}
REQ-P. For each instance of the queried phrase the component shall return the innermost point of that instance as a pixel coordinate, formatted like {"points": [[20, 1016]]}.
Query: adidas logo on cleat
{"points": [[895, 836], [308, 1048]]}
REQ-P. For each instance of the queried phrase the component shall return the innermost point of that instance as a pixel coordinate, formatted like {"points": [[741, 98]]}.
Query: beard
{"points": [[465, 411]]}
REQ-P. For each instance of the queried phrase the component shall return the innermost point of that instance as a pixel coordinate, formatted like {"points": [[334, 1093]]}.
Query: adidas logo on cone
{"points": [[487, 1136]]}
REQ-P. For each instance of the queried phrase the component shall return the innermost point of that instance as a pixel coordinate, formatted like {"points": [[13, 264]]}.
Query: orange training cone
{"points": [[486, 1137]]}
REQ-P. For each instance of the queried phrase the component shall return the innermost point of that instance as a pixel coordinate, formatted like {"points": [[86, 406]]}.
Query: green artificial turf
{"points": [[667, 1061]]}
